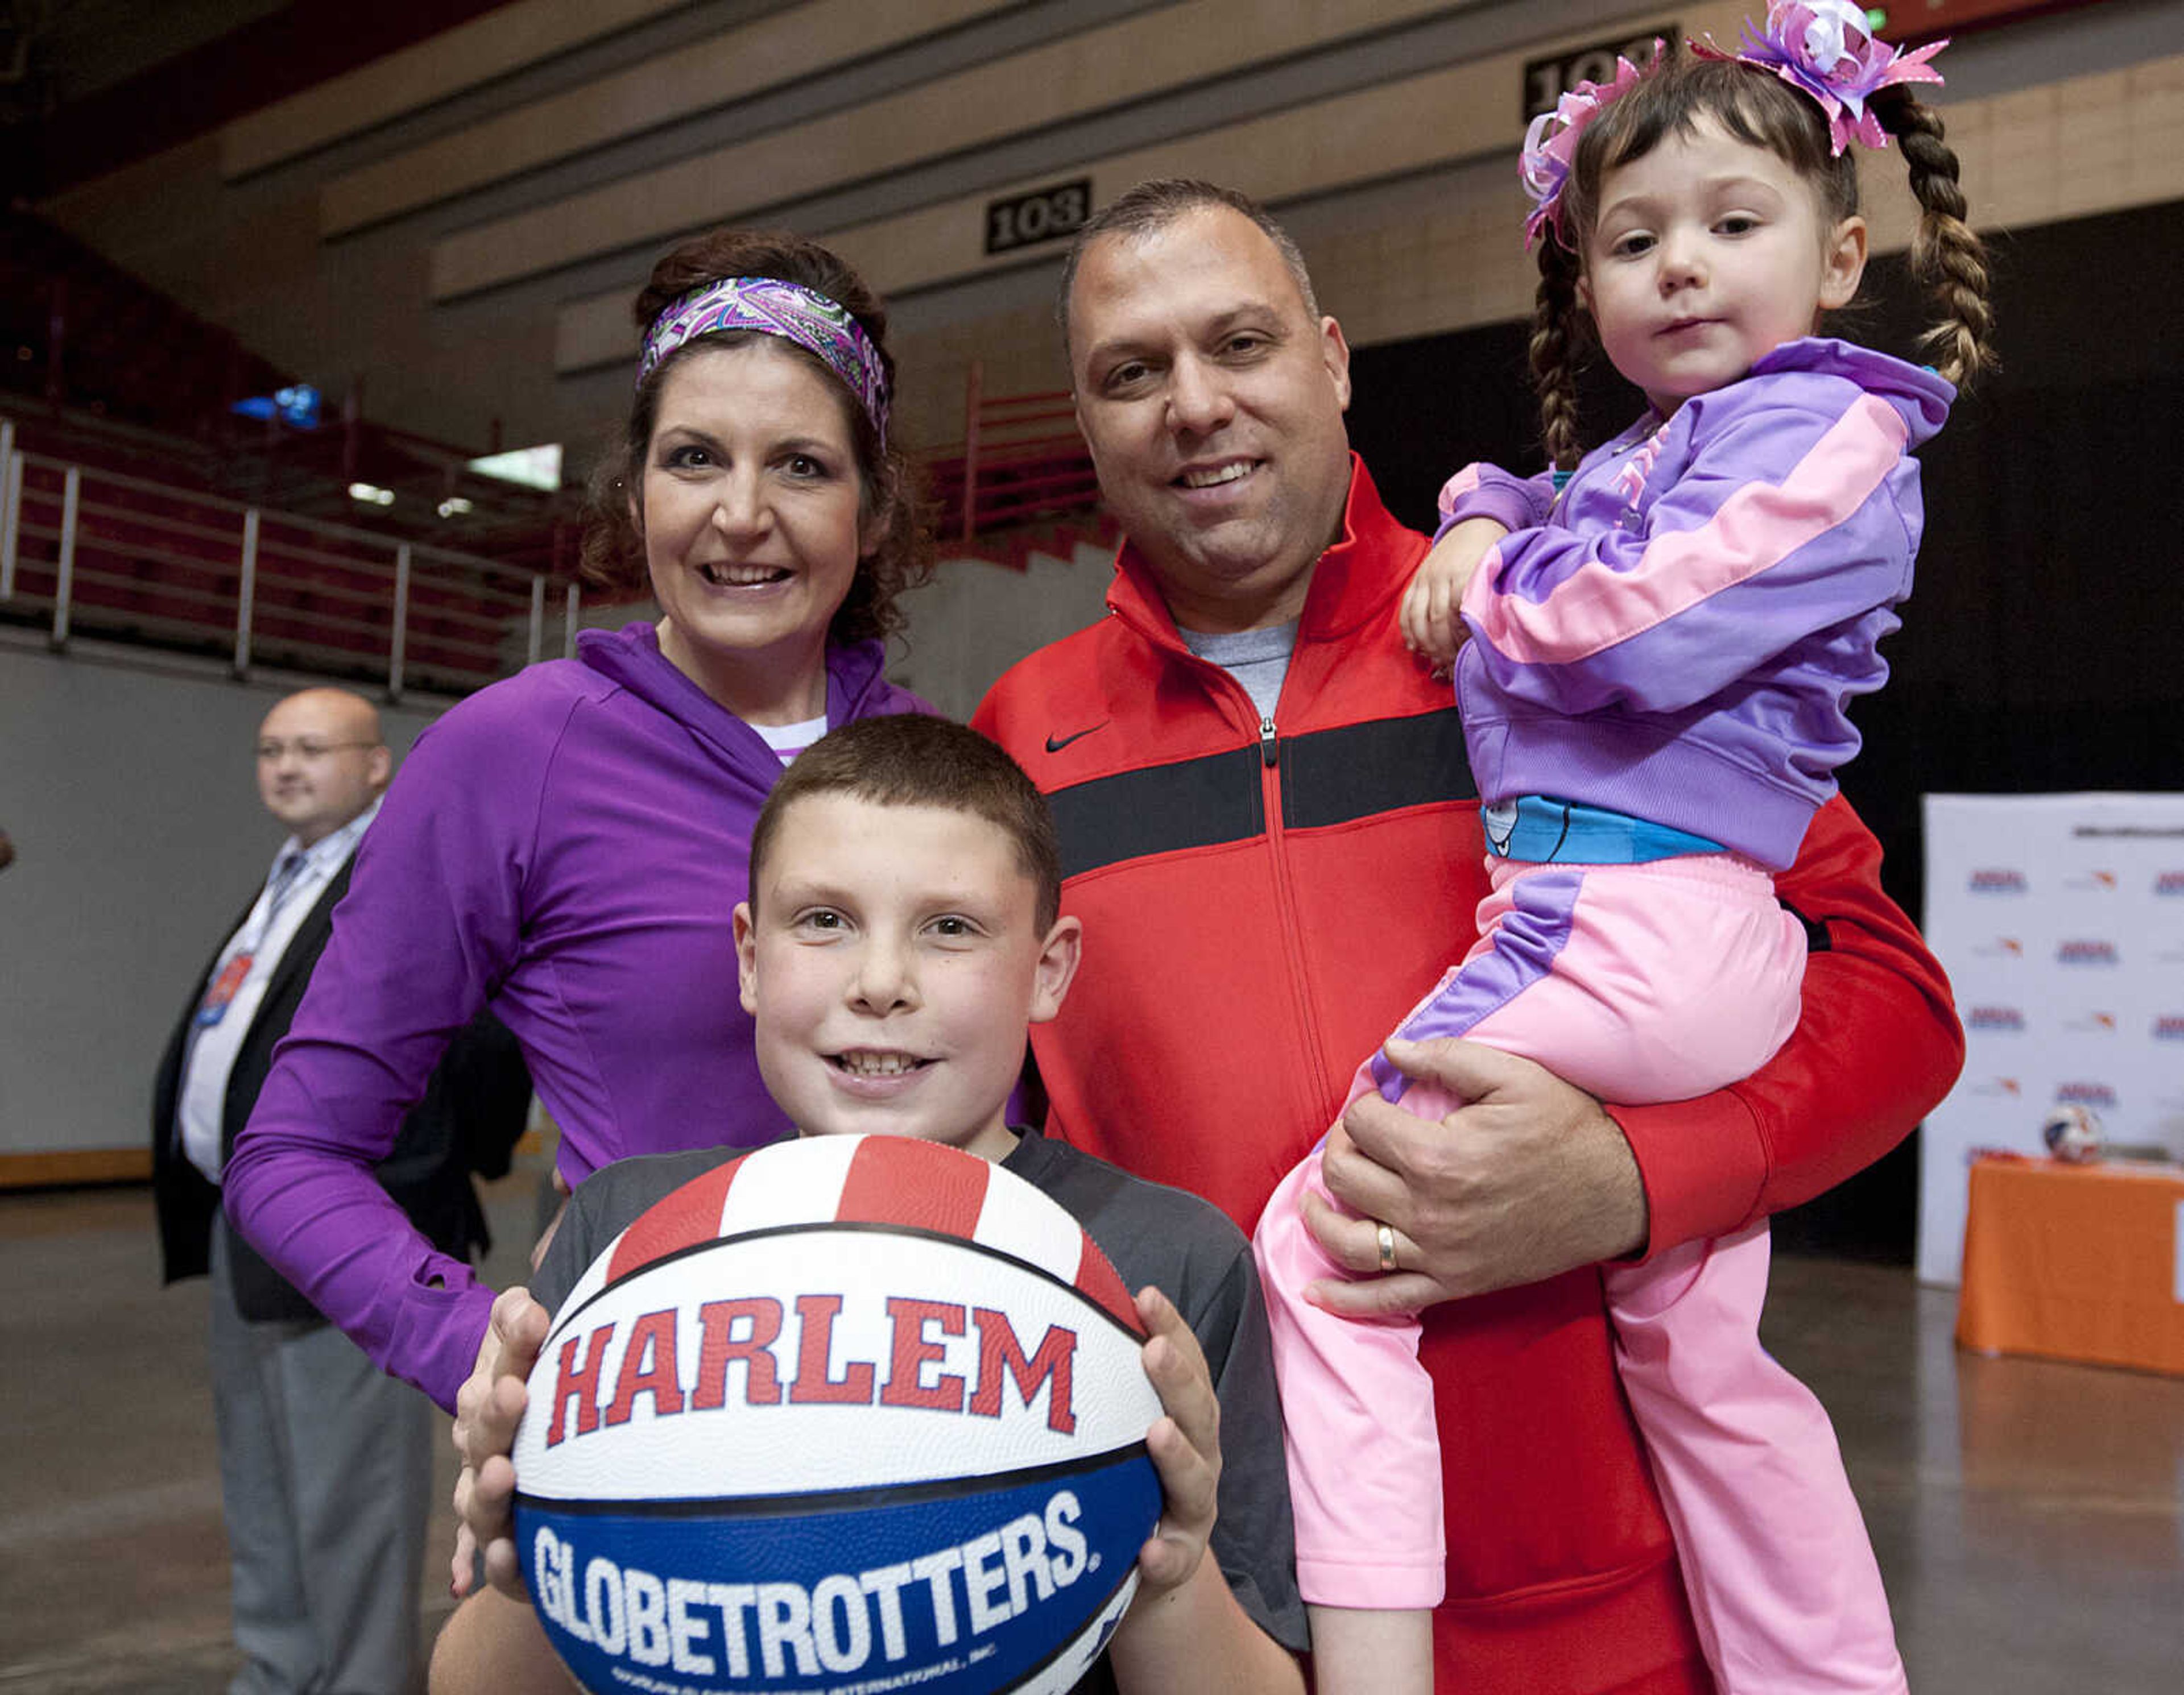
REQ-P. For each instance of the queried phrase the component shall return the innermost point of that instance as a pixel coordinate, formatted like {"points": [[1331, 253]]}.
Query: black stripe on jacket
{"points": [[1328, 777]]}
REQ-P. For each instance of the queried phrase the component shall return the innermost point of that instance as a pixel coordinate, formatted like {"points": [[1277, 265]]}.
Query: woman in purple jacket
{"points": [[568, 845]]}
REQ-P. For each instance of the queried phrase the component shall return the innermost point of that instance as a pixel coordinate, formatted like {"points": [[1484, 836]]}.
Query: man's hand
{"points": [[1428, 617], [1186, 1446], [1528, 1180], [487, 1408]]}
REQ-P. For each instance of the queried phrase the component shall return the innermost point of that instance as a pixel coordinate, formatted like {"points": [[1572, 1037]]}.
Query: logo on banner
{"points": [[1998, 881], [2007, 1088], [2002, 947], [2094, 1024], [1995, 1018], [2169, 1026], [2085, 1094], [2099, 882], [2169, 882], [2086, 951]]}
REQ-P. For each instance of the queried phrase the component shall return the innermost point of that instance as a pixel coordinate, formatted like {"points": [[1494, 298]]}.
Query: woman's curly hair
{"points": [[613, 552]]}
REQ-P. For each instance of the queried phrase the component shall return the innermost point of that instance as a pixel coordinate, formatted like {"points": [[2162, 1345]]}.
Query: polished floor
{"points": [[2029, 1516]]}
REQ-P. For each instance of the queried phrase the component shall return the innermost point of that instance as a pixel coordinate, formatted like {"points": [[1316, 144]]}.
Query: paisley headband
{"points": [[1823, 48], [771, 307]]}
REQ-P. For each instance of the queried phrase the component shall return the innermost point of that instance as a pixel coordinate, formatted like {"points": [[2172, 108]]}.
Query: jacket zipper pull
{"points": [[1267, 740]]}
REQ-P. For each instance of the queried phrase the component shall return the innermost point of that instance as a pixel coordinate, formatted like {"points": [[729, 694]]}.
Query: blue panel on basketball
{"points": [[976, 1591], [848, 1413]]}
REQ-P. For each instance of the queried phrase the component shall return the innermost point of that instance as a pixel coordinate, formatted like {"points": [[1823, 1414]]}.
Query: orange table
{"points": [[2074, 1262]]}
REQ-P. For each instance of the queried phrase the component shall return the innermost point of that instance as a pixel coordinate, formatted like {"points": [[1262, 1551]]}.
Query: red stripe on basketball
{"points": [[1100, 1283], [682, 1219], [896, 1180]]}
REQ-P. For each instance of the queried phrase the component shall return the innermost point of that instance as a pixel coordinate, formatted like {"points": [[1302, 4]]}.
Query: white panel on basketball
{"points": [[1016, 1219], [792, 1182], [1097, 1401]]}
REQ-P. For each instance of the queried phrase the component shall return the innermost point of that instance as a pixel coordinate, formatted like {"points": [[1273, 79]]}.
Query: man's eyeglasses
{"points": [[310, 752]]}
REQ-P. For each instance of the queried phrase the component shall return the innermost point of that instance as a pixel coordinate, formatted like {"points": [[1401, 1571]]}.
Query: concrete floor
{"points": [[2029, 1516]]}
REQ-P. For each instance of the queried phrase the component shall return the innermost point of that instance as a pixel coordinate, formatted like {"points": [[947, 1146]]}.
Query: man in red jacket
{"points": [[1271, 834]]}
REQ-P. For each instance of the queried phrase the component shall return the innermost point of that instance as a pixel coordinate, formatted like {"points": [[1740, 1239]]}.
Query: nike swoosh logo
{"points": [[1055, 745]]}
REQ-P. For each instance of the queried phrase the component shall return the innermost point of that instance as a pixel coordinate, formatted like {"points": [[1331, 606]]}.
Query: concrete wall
{"points": [[131, 795], [974, 620]]}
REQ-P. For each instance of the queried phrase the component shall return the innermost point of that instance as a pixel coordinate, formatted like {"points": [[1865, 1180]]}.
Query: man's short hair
{"points": [[1151, 206], [915, 759]]}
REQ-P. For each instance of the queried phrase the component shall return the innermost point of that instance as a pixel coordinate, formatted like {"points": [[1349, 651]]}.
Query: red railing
{"points": [[1022, 461], [94, 551]]}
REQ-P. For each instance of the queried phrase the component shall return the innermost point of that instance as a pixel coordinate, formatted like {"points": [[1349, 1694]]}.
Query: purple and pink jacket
{"points": [[568, 846], [1675, 638]]}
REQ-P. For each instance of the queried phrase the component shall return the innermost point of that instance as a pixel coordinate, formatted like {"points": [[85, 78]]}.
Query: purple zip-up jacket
{"points": [[1676, 638], [567, 846]]}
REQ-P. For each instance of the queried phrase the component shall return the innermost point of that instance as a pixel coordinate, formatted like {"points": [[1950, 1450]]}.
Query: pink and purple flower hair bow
{"points": [[1551, 144], [1824, 48]]}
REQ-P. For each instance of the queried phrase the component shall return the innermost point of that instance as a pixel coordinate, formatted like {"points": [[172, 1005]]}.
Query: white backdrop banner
{"points": [[2061, 921]]}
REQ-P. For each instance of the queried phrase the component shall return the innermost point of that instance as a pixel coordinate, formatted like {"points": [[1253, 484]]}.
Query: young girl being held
{"points": [[1662, 641]]}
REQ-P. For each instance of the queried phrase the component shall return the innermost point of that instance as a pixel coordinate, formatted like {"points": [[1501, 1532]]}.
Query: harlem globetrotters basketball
{"points": [[847, 1413]]}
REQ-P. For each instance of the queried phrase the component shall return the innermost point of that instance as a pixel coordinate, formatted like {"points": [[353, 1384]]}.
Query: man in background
{"points": [[325, 1463]]}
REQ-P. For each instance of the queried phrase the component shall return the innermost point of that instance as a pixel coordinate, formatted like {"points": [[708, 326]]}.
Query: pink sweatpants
{"points": [[1656, 981]]}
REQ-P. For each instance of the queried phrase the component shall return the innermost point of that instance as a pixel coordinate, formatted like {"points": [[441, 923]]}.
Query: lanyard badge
{"points": [[219, 993]]}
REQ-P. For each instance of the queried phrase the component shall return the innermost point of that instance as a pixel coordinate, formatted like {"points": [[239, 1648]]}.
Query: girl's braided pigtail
{"points": [[1946, 253], [1557, 339]]}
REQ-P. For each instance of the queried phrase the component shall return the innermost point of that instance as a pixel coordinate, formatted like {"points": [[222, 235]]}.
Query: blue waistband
{"points": [[1545, 831]]}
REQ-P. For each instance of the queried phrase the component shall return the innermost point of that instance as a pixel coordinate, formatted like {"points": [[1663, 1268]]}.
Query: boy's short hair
{"points": [[915, 759]]}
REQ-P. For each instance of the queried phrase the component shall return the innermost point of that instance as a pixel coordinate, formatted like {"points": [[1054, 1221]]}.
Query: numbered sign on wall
{"points": [[1044, 215]]}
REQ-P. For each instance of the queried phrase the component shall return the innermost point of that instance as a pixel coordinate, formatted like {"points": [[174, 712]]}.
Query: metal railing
{"points": [[100, 551], [1016, 465]]}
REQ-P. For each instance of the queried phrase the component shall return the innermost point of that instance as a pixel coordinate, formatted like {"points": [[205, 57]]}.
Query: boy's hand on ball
{"points": [[1185, 1447], [487, 1409]]}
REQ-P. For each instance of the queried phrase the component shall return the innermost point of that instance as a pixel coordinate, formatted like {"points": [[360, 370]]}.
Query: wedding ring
{"points": [[1386, 1233]]}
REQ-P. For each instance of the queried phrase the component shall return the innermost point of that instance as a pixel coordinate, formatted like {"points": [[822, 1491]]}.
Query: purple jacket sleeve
{"points": [[1484, 490], [430, 924], [1789, 519]]}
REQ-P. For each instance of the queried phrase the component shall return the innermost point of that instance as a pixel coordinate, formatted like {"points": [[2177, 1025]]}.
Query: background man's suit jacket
{"points": [[473, 1112]]}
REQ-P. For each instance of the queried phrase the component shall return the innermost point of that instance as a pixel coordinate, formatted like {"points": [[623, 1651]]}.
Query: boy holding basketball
{"points": [[902, 931]]}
